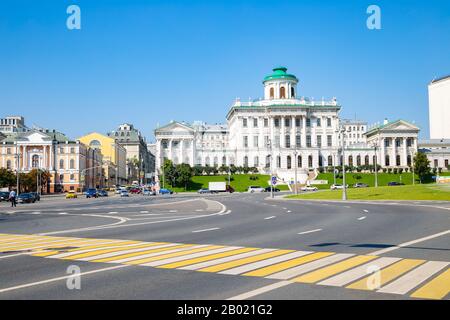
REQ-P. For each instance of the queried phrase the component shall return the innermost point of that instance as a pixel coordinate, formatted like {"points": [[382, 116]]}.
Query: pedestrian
{"points": [[12, 198]]}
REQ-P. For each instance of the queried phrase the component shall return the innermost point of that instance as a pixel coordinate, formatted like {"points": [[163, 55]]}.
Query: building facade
{"points": [[66, 160], [114, 157], [12, 124], [284, 131], [140, 162], [439, 108]]}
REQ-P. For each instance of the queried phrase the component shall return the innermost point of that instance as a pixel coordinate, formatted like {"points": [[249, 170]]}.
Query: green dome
{"points": [[280, 73]]}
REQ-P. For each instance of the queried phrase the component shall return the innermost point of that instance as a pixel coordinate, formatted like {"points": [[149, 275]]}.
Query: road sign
{"points": [[274, 180]]}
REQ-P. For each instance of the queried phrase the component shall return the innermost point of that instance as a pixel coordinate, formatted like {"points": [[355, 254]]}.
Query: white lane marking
{"points": [[261, 290], [173, 210], [189, 256], [366, 210], [144, 211], [415, 277], [112, 212], [26, 285], [266, 262], [310, 231], [121, 252], [204, 230], [62, 213], [354, 274], [289, 211], [405, 244], [347, 207], [362, 218], [271, 217], [226, 259], [304, 268], [154, 254], [199, 210]]}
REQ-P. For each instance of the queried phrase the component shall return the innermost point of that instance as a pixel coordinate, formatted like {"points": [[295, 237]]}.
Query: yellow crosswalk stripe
{"points": [[142, 253], [387, 274], [101, 251], [24, 242], [94, 246], [50, 244], [205, 258], [240, 262], [171, 255], [287, 264], [328, 271], [5, 241], [437, 288]]}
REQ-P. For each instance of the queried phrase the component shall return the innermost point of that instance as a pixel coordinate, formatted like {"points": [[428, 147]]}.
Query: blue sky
{"points": [[149, 62]]}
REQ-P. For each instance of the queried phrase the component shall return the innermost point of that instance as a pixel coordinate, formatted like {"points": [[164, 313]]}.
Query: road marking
{"points": [[143, 211], [358, 272], [362, 218], [387, 274], [261, 290], [289, 211], [366, 210], [415, 277], [437, 288], [264, 263], [57, 254], [304, 268], [204, 230], [173, 210], [405, 244], [112, 212], [268, 218], [240, 262], [310, 231], [63, 213]]}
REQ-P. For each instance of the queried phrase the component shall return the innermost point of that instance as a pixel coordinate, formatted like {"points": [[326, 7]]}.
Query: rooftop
{"points": [[280, 73]]}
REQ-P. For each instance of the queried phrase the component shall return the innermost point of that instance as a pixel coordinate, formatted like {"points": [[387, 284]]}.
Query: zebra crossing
{"points": [[413, 277]]}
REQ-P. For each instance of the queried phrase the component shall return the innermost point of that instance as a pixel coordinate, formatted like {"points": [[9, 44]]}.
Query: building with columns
{"points": [[284, 131], [67, 161]]}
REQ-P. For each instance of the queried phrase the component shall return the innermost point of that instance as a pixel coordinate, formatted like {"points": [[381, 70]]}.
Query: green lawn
{"points": [[368, 178], [417, 192], [240, 182]]}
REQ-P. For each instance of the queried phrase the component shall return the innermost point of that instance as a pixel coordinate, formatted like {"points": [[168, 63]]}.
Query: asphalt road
{"points": [[223, 237]]}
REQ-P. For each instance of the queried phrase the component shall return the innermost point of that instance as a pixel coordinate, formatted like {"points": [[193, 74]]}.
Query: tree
{"points": [[421, 165], [184, 174], [7, 178], [170, 174]]}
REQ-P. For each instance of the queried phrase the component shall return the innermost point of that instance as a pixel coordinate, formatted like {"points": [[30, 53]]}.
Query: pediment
{"points": [[400, 125], [175, 128], [35, 137]]}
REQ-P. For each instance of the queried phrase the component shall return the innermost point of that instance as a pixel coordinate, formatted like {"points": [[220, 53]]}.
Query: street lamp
{"points": [[269, 145], [375, 147], [17, 155], [295, 169], [341, 130], [412, 167]]}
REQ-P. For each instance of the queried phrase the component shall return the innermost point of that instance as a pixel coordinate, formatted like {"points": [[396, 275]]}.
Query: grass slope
{"points": [[369, 178]]}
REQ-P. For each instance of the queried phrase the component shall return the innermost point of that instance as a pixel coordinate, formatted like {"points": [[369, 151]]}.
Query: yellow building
{"points": [[114, 157]]}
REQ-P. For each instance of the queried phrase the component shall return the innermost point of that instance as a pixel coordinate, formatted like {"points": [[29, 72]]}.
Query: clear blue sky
{"points": [[146, 62]]}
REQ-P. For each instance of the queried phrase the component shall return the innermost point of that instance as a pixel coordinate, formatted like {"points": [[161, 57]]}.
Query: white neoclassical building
{"points": [[284, 131]]}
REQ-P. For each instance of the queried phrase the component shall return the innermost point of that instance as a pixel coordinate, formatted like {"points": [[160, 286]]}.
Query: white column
{"points": [[170, 149], [293, 132], [303, 130], [393, 162], [405, 152], [181, 155], [383, 152], [282, 139]]}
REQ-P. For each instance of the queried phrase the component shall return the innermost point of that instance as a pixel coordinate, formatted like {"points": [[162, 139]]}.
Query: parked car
{"points": [[338, 186], [165, 191], [360, 185], [148, 192], [135, 190], [102, 193], [267, 189], [91, 193], [253, 189], [124, 193], [204, 190], [36, 195], [4, 196], [308, 188], [71, 195], [395, 183], [26, 198]]}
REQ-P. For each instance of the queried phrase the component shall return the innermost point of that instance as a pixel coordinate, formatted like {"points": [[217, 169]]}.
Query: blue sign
{"points": [[274, 180]]}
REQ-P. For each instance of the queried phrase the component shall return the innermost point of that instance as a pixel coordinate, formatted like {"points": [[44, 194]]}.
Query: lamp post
{"points": [[17, 156], [375, 147], [412, 167], [295, 169], [269, 145], [344, 187]]}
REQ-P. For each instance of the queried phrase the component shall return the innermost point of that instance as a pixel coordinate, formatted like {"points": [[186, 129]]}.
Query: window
{"points": [[330, 160], [72, 164], [320, 161], [318, 122], [292, 92], [409, 142], [61, 164], [350, 161], [255, 141], [61, 177], [224, 161], [278, 162], [397, 158], [256, 161], [319, 141], [308, 122], [329, 140], [72, 150], [299, 162], [387, 142], [366, 160], [358, 160], [446, 163], [95, 144], [72, 177], [266, 141], [255, 122], [282, 93], [216, 161], [244, 123], [386, 161], [277, 141], [8, 150], [436, 164], [268, 161], [164, 144], [298, 141], [271, 93], [289, 162], [408, 160], [308, 141], [276, 122], [266, 123], [245, 142], [328, 122], [35, 161], [245, 161], [287, 141], [310, 161], [61, 150], [297, 122], [8, 164], [398, 142], [287, 122]]}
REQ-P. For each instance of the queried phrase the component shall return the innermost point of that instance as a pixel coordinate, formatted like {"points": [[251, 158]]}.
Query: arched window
{"points": [[398, 161], [282, 93], [272, 93], [35, 161], [72, 164], [310, 161], [350, 161], [330, 160], [292, 92], [358, 160], [299, 162], [61, 164], [245, 161], [278, 162], [95, 144], [268, 161], [8, 164], [366, 160], [386, 160], [289, 162]]}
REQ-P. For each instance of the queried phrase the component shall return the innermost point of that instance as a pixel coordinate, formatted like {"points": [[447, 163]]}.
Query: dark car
{"points": [[26, 198], [4, 196], [360, 185], [102, 193], [274, 189], [91, 193], [36, 195], [135, 190], [395, 183]]}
